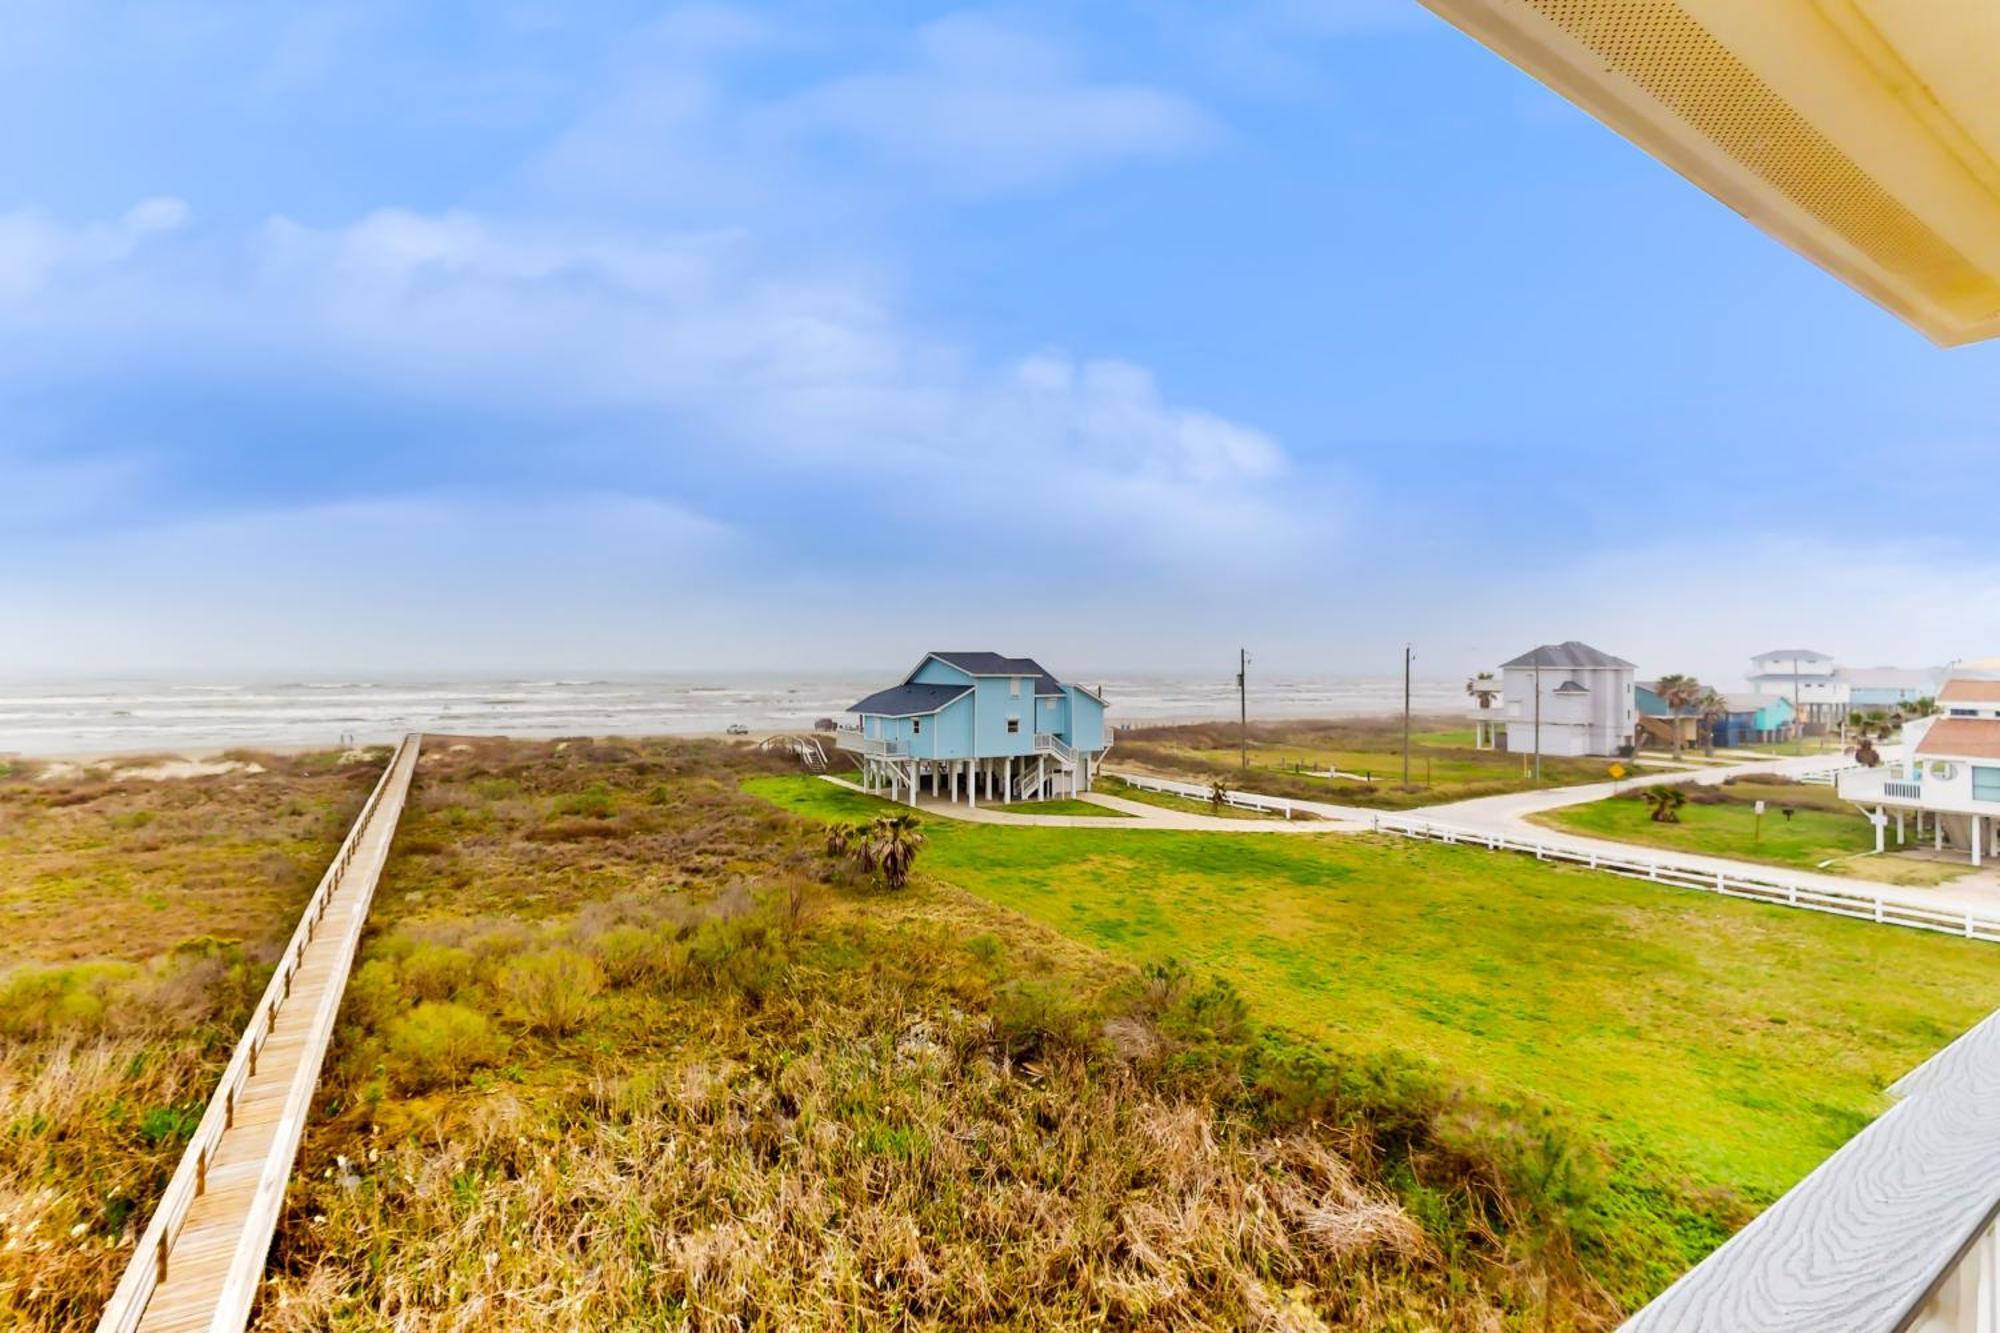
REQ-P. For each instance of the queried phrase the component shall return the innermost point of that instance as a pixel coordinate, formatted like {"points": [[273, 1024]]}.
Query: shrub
{"points": [[437, 971], [553, 991], [632, 954], [437, 1044], [595, 802]]}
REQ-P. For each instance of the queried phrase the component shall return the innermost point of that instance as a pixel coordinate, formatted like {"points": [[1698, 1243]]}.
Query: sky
{"points": [[364, 336]]}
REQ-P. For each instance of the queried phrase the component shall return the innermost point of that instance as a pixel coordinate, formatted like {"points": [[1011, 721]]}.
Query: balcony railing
{"points": [[874, 747]]}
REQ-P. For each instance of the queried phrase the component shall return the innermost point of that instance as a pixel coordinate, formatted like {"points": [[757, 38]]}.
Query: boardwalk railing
{"points": [[154, 1254], [1242, 800], [1857, 903]]}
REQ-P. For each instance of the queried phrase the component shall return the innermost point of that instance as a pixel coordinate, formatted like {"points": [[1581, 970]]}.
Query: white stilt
{"points": [[1937, 833], [1900, 839], [1978, 837], [1881, 822]]}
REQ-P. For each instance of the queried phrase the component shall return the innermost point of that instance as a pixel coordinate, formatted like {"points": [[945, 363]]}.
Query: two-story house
{"points": [[1808, 678], [1567, 699], [1948, 778], [972, 725]]}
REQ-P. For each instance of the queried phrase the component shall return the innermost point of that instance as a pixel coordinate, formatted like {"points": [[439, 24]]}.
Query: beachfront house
{"points": [[1656, 723], [1948, 783], [972, 726], [1808, 678], [1888, 688], [1754, 719], [1567, 699]]}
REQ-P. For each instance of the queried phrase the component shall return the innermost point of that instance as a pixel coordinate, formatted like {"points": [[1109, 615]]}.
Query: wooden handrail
{"points": [[127, 1305]]}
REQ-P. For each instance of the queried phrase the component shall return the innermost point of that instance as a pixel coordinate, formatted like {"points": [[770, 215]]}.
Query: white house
{"points": [[1809, 679], [1947, 786], [1579, 697]]}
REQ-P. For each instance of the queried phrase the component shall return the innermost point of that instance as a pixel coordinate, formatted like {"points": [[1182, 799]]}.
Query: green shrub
{"points": [[437, 971], [633, 954], [437, 1044], [553, 991], [595, 802]]}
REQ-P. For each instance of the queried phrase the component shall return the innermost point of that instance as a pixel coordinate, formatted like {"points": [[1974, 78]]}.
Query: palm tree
{"points": [[892, 848], [1218, 795], [1666, 802], [841, 839], [1678, 692], [1923, 707], [1713, 708], [1484, 687]]}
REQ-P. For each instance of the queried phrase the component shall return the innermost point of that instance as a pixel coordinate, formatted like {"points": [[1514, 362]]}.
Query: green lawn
{"points": [[1707, 1042], [1822, 828], [1063, 807]]}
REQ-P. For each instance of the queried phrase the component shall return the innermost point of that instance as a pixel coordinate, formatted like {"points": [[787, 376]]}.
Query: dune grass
{"points": [[1722, 821], [628, 1048], [140, 921], [1715, 1051]]}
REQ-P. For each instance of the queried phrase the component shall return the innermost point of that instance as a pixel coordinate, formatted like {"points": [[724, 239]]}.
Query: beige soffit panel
{"points": [[1865, 134]]}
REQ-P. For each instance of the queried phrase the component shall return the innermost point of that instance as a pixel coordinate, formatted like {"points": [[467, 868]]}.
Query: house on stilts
{"points": [[973, 726]]}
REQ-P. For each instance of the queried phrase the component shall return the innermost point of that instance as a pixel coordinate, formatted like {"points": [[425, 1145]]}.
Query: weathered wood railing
{"points": [[1894, 1233], [154, 1253], [1857, 903]]}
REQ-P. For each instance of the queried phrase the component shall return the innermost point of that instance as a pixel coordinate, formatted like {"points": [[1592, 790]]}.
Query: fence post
{"points": [[1968, 924], [160, 1270]]}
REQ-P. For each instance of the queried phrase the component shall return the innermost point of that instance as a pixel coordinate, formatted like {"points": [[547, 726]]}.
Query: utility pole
{"points": [[1798, 718], [1406, 715], [1243, 707], [1538, 721]]}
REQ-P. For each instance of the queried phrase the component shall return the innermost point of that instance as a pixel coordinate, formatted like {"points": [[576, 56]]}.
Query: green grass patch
{"points": [[1707, 1044], [1723, 821], [1084, 809], [1186, 805]]}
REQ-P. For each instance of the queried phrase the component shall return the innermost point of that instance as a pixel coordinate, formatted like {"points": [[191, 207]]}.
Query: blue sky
{"points": [[378, 337]]}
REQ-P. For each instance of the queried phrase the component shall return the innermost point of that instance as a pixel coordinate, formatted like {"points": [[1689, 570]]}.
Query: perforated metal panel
{"points": [[1671, 56]]}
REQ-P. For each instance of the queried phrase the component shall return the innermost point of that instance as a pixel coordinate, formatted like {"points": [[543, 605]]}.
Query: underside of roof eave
{"points": [[1790, 152]]}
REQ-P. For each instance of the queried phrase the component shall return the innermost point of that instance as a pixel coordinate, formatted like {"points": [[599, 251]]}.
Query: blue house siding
{"points": [[1086, 716]]}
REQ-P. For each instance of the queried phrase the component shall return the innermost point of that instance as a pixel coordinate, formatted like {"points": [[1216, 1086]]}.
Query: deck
{"points": [[200, 1261]]}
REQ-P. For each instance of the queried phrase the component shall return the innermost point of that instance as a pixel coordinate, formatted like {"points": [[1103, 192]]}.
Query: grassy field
{"points": [[1722, 821], [1364, 753], [140, 920], [628, 1047], [1713, 1051], [1185, 804]]}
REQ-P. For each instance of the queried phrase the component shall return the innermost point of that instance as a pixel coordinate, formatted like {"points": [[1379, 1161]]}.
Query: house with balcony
{"points": [[1754, 719], [967, 726], [1947, 784], [1567, 699]]}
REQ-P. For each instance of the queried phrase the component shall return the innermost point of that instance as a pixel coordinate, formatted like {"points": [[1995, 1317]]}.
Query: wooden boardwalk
{"points": [[200, 1261]]}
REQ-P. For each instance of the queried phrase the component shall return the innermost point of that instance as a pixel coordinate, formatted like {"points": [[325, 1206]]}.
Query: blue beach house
{"points": [[973, 725], [1754, 719]]}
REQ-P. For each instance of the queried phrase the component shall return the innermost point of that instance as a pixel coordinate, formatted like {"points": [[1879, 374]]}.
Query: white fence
{"points": [[1242, 800], [1857, 903]]}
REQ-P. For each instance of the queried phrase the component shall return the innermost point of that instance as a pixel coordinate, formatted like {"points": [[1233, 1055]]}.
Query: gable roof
{"points": [[1970, 692], [1752, 703], [1803, 654], [909, 700], [1962, 738], [1572, 687], [993, 664], [1566, 656], [1886, 678]]}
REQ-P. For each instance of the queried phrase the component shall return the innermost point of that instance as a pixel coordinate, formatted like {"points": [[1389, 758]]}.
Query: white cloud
{"points": [[983, 106], [35, 249]]}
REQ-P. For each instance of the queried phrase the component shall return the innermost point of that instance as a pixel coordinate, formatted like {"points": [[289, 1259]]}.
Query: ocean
{"points": [[77, 717]]}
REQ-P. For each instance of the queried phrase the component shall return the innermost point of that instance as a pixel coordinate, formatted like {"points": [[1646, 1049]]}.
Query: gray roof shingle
{"points": [[908, 700], [993, 664], [1566, 656]]}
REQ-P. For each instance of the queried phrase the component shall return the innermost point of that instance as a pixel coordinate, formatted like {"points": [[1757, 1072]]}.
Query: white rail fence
{"points": [[155, 1248], [1242, 800], [1856, 903]]}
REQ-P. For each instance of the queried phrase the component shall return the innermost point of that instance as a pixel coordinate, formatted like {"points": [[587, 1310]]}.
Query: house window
{"points": [[1985, 784], [1965, 712], [916, 726], [1014, 687], [1013, 726]]}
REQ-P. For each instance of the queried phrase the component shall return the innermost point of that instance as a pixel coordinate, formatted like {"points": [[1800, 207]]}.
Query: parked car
{"points": [[738, 729]]}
